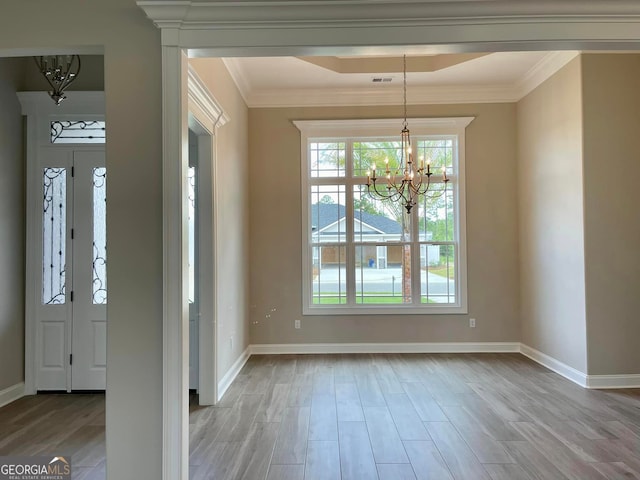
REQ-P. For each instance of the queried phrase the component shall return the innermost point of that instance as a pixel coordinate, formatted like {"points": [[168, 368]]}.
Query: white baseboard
{"points": [[613, 381], [576, 376], [570, 373], [557, 366], [11, 394], [319, 348], [233, 372]]}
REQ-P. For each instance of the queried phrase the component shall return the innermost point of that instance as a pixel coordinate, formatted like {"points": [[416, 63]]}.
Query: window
{"points": [[367, 256], [80, 131]]}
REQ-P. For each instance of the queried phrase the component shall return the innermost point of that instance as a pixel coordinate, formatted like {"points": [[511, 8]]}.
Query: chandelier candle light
{"points": [[409, 180], [59, 71]]}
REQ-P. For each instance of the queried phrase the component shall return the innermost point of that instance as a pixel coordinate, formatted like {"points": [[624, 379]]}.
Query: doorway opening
{"points": [[66, 288], [204, 117]]}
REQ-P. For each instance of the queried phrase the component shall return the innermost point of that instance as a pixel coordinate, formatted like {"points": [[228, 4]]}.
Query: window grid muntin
{"points": [[397, 290], [313, 153], [349, 180]]}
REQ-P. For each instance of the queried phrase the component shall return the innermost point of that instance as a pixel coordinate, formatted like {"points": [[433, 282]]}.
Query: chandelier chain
{"points": [[406, 182], [404, 90]]}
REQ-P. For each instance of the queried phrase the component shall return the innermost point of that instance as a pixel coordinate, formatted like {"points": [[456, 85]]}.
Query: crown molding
{"points": [[200, 97], [330, 27], [541, 71], [232, 14], [337, 97], [239, 78]]}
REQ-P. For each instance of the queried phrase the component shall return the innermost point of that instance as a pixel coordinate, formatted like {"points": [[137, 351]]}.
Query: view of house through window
{"points": [[370, 253]]}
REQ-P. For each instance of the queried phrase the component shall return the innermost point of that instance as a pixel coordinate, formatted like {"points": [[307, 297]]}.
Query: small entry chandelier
{"points": [[409, 180], [60, 71]]}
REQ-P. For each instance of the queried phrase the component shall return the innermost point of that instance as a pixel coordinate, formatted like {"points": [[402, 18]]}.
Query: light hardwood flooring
{"points": [[57, 424], [360, 417]]}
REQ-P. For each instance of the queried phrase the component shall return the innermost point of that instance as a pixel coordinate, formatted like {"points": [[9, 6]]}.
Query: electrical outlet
{"points": [[472, 323], [296, 324]]}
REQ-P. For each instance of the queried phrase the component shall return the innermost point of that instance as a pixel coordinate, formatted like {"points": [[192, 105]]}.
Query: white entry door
{"points": [[71, 327], [89, 306]]}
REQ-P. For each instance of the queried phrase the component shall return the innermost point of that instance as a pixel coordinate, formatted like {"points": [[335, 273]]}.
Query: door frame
{"points": [[205, 116], [229, 28], [38, 108], [175, 313]]}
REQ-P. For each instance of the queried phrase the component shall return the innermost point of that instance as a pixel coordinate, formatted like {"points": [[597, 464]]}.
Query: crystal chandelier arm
{"points": [[43, 66], [70, 76]]}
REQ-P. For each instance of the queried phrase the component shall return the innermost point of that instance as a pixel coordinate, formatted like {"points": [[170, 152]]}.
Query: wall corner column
{"points": [[175, 261]]}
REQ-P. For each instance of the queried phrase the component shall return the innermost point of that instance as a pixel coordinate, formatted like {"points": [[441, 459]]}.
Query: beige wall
{"points": [[551, 218], [612, 219], [275, 222], [12, 226], [134, 210], [232, 291]]}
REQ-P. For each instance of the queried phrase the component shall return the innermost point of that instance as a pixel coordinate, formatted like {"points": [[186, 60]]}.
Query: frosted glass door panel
{"points": [[99, 260], [54, 233]]}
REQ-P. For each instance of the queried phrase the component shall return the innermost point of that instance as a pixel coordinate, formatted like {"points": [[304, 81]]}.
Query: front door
{"points": [[89, 312], [71, 327]]}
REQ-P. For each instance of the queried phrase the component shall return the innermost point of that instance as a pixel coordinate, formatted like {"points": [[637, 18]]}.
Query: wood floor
{"points": [[56, 424], [360, 417]]}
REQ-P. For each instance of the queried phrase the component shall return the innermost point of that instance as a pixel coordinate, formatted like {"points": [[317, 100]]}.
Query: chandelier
{"points": [[409, 180], [60, 71]]}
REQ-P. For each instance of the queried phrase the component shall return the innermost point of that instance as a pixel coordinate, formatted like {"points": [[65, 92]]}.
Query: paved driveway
{"points": [[375, 280]]}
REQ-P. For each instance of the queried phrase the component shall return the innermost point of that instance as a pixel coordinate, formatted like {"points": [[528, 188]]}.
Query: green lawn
{"points": [[441, 270]]}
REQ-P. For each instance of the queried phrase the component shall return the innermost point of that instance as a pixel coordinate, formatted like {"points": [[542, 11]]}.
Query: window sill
{"points": [[326, 310]]}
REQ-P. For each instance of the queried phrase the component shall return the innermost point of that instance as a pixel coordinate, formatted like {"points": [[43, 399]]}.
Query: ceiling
{"points": [[451, 78]]}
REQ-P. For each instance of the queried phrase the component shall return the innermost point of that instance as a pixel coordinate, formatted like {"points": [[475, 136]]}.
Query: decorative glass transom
{"points": [[81, 131]]}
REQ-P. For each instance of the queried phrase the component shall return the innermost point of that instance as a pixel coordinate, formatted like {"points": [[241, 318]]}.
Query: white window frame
{"points": [[312, 130]]}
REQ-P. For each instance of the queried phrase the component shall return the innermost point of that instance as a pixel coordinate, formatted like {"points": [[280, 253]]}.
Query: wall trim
{"points": [[419, 95], [578, 377], [613, 381], [201, 100], [233, 372], [543, 70], [568, 372], [555, 365], [175, 321], [444, 347], [11, 394], [225, 15]]}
